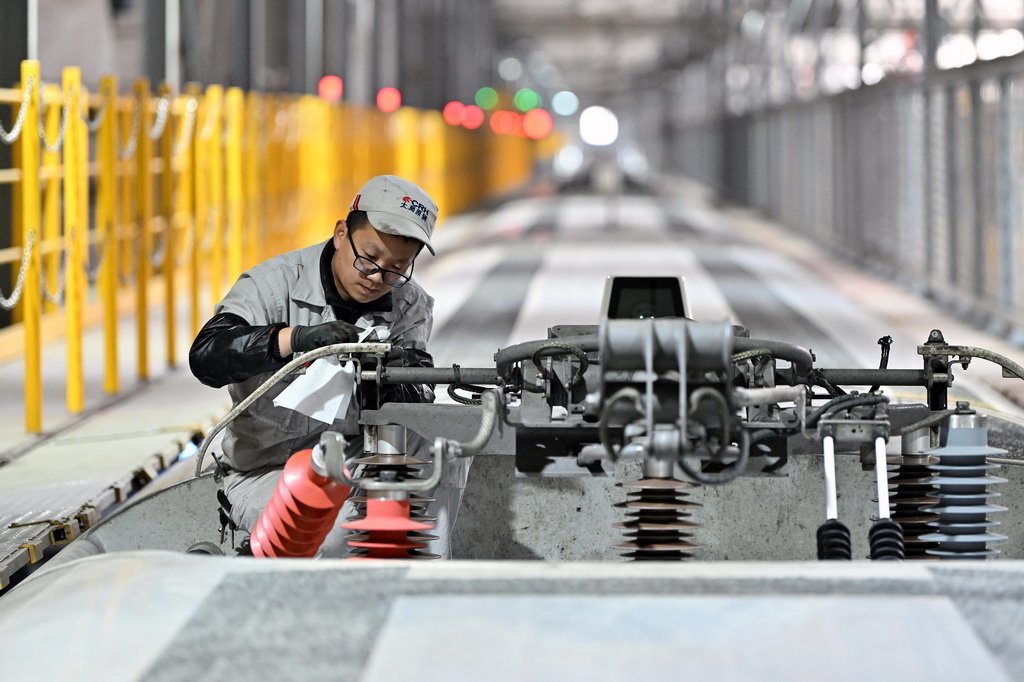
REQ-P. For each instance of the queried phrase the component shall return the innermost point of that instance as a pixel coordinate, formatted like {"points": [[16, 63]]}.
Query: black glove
{"points": [[305, 339]]}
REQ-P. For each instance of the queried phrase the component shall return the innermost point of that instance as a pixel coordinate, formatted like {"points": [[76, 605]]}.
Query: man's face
{"points": [[388, 251]]}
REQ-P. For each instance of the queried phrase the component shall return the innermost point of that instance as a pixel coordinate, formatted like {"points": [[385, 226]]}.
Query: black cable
{"points": [[843, 402], [885, 342]]}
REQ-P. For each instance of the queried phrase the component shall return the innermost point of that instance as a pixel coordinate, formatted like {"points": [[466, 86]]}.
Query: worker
{"points": [[360, 279]]}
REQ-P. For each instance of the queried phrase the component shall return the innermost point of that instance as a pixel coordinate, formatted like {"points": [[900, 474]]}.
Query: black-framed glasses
{"points": [[369, 267]]}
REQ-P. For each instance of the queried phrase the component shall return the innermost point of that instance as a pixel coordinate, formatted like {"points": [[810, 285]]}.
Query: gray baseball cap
{"points": [[397, 206]]}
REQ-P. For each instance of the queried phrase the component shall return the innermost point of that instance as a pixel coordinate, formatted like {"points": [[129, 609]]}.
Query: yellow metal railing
{"points": [[125, 203]]}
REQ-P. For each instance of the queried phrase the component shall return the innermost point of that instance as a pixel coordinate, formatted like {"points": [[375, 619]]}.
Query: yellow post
{"points": [[51, 192], [181, 163], [170, 234], [406, 122], [201, 196], [252, 170], [144, 220], [74, 296], [432, 131], [28, 188], [106, 155], [235, 111], [212, 131]]}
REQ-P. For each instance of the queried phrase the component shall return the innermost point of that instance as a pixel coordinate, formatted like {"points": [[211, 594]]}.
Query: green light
{"points": [[527, 99], [486, 98]]}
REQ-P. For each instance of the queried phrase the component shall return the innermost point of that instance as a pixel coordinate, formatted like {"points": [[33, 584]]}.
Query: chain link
{"points": [[55, 147], [133, 137], [211, 113], [19, 122], [188, 127], [163, 108], [58, 297], [26, 255], [185, 254], [95, 123]]}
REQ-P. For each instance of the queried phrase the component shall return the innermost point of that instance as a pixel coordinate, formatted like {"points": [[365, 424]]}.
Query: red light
{"points": [[331, 88], [452, 113], [537, 124], [506, 123], [389, 99], [472, 117]]}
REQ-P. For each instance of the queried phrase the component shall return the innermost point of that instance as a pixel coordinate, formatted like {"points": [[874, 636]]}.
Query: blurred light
{"points": [[871, 73], [486, 98], [505, 122], [955, 51], [472, 117], [995, 44], [331, 88], [633, 162], [537, 124], [453, 112], [526, 99], [565, 103], [389, 99], [568, 161], [510, 68], [598, 126]]}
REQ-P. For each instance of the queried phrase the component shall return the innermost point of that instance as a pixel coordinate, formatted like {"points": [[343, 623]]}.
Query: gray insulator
{"points": [[963, 477]]}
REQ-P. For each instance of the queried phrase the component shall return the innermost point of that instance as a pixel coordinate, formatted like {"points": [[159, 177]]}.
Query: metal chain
{"points": [[160, 252], [190, 244], [188, 127], [92, 274], [58, 297], [64, 116], [133, 137], [163, 108], [26, 255], [95, 123], [207, 132], [19, 122]]}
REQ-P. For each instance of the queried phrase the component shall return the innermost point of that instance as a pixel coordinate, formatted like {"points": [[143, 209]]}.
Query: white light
{"points": [[872, 73], [565, 103], [568, 161], [510, 68], [598, 126]]}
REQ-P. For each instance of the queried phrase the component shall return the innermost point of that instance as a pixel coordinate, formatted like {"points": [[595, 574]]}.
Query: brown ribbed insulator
{"points": [[657, 526], [911, 488]]}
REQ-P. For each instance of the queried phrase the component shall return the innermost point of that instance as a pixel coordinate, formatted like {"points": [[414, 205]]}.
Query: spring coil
{"points": [[886, 540], [834, 541]]}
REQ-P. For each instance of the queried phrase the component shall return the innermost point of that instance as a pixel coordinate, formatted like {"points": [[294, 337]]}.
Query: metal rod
{"points": [[882, 475], [831, 505], [870, 377], [434, 375]]}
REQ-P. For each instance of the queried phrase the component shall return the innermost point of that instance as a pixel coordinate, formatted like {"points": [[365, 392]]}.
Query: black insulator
{"points": [[886, 540], [834, 541]]}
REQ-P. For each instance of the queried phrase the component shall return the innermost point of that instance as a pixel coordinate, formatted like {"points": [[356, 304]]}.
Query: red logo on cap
{"points": [[355, 204]]}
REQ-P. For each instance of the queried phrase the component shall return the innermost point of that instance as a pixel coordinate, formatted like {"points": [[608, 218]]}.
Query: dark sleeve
{"points": [[228, 350], [402, 393]]}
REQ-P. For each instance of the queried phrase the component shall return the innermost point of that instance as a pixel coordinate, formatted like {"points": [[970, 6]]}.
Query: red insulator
{"points": [[387, 525], [300, 514]]}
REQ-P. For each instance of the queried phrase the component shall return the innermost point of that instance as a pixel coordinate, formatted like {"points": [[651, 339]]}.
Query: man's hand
{"points": [[304, 339]]}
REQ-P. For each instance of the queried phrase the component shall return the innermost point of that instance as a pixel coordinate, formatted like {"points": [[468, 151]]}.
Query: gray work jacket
{"points": [[288, 289]]}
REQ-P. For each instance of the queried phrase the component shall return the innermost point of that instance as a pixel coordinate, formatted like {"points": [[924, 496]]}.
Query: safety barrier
{"points": [[124, 203], [920, 178]]}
